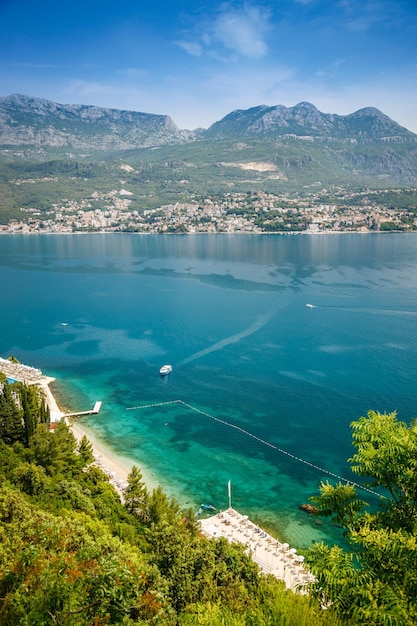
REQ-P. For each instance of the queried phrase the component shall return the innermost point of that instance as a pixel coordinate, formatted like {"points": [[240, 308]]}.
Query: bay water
{"points": [[263, 387]]}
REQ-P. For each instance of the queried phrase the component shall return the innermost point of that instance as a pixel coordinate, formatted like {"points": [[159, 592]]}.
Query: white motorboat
{"points": [[165, 370]]}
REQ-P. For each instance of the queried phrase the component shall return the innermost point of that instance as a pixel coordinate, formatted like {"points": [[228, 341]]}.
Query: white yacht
{"points": [[165, 370]]}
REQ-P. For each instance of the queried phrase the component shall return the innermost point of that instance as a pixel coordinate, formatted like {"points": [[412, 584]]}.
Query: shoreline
{"points": [[222, 233], [116, 466], [270, 555]]}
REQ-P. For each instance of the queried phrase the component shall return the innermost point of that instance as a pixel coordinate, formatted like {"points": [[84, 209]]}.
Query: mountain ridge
{"points": [[304, 119], [26, 120]]}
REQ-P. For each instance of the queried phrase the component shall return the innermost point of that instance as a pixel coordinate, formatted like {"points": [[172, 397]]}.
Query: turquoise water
{"points": [[102, 313]]}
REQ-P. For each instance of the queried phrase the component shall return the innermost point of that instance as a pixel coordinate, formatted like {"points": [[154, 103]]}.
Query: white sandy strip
{"points": [[115, 466], [54, 410], [270, 555]]}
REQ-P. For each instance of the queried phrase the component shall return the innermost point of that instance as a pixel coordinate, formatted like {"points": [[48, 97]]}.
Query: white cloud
{"points": [[243, 30], [34, 66], [331, 70]]}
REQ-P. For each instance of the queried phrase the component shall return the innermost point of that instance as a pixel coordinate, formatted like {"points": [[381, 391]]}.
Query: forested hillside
{"points": [[71, 553]]}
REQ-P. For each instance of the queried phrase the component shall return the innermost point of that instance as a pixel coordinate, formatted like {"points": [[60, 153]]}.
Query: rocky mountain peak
{"points": [[29, 121], [35, 121], [304, 119]]}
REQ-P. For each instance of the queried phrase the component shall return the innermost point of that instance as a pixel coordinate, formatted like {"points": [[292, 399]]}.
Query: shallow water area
{"points": [[263, 388]]}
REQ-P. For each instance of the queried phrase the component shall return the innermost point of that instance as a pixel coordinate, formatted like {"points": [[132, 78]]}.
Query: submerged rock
{"points": [[308, 508]]}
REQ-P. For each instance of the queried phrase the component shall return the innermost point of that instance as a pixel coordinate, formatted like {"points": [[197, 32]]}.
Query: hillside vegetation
{"points": [[71, 553]]}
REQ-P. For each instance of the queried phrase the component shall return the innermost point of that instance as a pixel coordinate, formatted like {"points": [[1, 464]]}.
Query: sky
{"points": [[198, 60]]}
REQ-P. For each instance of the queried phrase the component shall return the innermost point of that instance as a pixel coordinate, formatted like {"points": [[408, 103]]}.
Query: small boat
{"points": [[310, 306], [208, 507], [165, 370]]}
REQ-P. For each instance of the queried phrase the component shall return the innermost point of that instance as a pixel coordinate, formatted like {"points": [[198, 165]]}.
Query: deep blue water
{"points": [[102, 313]]}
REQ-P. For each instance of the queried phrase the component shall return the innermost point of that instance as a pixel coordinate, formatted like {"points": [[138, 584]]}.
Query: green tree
{"points": [[85, 451], [136, 495], [29, 418], [22, 408], [55, 450], [199, 570], [160, 508], [387, 456], [375, 582], [69, 570], [339, 502], [30, 478], [11, 422]]}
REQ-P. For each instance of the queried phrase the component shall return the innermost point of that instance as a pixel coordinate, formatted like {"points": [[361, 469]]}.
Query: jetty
{"points": [[96, 409], [17, 372], [272, 557]]}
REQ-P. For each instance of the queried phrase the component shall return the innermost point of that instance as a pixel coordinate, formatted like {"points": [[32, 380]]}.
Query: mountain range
{"points": [[26, 121], [273, 149]]}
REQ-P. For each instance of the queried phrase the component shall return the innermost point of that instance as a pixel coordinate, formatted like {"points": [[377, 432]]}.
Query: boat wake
{"points": [[259, 323]]}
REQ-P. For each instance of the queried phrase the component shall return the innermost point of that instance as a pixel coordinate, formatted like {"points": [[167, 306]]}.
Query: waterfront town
{"points": [[245, 212]]}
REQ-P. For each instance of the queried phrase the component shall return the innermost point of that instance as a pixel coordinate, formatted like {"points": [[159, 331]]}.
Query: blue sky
{"points": [[197, 60]]}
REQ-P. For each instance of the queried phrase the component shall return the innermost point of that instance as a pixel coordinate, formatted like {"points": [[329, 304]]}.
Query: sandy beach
{"points": [[54, 410], [272, 557], [117, 467]]}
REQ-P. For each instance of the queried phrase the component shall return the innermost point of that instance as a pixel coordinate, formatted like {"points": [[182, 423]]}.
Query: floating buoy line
{"points": [[259, 439]]}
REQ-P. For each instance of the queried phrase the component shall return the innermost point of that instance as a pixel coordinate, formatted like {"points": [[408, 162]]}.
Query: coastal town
{"points": [[245, 212]]}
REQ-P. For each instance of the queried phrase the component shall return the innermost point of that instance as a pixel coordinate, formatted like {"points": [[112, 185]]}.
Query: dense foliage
{"points": [[375, 583], [71, 553]]}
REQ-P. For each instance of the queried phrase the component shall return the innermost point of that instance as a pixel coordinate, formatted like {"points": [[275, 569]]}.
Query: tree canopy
{"points": [[73, 554], [375, 582]]}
